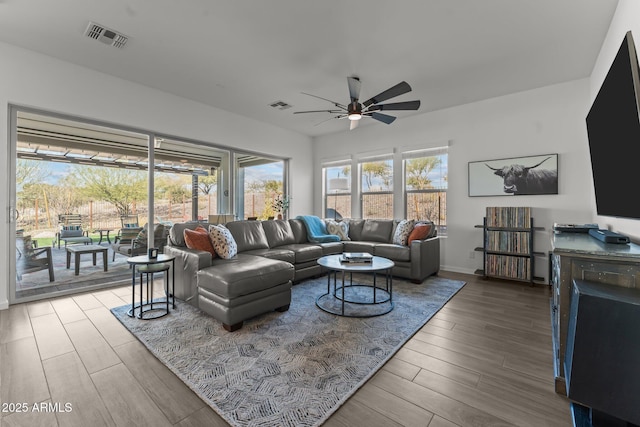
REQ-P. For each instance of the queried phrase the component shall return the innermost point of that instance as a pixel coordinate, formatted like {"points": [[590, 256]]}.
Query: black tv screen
{"points": [[613, 126]]}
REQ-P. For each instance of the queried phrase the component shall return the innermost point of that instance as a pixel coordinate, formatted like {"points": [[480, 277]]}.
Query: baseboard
{"points": [[4, 305], [456, 269]]}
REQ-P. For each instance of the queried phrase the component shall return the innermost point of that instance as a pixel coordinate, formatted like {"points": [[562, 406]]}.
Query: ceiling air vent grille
{"points": [[105, 35], [280, 105]]}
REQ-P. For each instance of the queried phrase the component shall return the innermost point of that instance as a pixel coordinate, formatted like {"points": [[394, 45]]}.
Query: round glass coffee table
{"points": [[351, 299]]}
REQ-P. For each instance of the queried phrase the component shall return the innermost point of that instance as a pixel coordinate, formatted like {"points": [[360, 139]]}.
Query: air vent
{"points": [[280, 105], [105, 35]]}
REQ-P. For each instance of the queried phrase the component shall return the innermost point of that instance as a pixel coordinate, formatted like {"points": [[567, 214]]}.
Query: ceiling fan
{"points": [[355, 110]]}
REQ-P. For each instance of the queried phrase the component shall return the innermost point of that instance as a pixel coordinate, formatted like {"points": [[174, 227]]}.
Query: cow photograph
{"points": [[514, 177]]}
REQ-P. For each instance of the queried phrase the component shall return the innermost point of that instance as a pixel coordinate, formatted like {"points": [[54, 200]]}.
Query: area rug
{"points": [[287, 369]]}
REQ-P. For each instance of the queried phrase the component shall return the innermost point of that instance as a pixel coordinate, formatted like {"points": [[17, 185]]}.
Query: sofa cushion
{"points": [[223, 241], [339, 228], [304, 251], [274, 253], [244, 275], [331, 248], [355, 229], [278, 233], [199, 239], [248, 235], [420, 231], [299, 231], [393, 252], [377, 230], [354, 246], [402, 231]]}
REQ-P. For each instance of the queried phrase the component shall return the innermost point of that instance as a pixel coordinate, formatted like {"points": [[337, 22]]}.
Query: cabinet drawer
{"points": [[608, 272]]}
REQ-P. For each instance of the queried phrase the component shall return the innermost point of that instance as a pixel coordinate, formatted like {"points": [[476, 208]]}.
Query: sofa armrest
{"points": [[425, 258], [187, 264]]}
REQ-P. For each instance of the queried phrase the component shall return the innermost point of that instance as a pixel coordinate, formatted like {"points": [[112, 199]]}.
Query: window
{"points": [[337, 190], [426, 179], [260, 185], [376, 176]]}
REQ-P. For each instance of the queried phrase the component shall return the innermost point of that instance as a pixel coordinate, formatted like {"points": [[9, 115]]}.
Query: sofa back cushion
{"points": [[299, 231], [176, 233], [355, 229], [377, 230], [278, 233], [248, 235]]}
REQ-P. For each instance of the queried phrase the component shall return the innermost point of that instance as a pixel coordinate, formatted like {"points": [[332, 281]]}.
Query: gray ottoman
{"points": [[234, 290]]}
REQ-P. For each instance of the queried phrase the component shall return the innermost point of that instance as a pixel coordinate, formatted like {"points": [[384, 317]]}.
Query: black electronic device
{"points": [[602, 352], [613, 127], [607, 236], [574, 228]]}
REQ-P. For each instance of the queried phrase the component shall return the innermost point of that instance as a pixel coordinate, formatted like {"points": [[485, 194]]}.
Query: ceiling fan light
{"points": [[355, 116]]}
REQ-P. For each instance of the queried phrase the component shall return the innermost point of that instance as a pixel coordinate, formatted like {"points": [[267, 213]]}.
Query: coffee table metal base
{"points": [[343, 301]]}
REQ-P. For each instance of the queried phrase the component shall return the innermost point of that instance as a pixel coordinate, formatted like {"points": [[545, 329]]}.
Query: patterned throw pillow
{"points": [[402, 232], [340, 229], [223, 242], [420, 231], [199, 239]]}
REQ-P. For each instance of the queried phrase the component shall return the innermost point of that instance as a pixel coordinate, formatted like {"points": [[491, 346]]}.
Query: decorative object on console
{"points": [[573, 228], [609, 236], [514, 176]]}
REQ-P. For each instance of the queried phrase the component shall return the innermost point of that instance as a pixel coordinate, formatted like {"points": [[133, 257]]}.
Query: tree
{"points": [[382, 170], [418, 172], [30, 172], [173, 187], [207, 184], [120, 187]]}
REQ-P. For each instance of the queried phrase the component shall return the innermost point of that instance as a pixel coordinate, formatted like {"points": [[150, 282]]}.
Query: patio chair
{"points": [[30, 258], [130, 229], [133, 241], [71, 230]]}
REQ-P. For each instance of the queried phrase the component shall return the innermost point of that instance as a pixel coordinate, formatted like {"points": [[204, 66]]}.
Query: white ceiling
{"points": [[243, 55]]}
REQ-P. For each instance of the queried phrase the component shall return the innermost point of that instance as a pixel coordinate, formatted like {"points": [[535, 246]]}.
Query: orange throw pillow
{"points": [[199, 239], [419, 232]]}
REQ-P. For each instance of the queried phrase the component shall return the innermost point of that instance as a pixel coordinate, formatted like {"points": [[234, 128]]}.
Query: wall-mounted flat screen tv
{"points": [[613, 126]]}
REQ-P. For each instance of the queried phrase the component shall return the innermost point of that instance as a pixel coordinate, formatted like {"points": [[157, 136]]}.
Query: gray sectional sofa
{"points": [[274, 254]]}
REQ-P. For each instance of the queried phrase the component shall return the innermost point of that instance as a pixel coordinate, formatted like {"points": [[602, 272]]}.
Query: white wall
{"points": [[39, 81], [626, 18], [541, 121]]}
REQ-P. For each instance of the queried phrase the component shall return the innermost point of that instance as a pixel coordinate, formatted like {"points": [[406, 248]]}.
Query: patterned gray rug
{"points": [[287, 369]]}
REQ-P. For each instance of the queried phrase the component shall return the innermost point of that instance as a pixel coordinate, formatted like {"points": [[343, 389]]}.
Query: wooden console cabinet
{"points": [[580, 256]]}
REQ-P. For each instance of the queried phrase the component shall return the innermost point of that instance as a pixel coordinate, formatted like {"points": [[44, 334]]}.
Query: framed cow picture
{"points": [[515, 176]]}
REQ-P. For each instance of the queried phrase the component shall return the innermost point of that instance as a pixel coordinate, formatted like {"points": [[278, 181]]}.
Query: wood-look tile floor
{"points": [[484, 360]]}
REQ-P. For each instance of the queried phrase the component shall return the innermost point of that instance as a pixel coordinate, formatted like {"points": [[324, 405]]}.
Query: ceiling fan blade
{"points": [[408, 105], [319, 111], [337, 104], [330, 118], [353, 124], [384, 118], [397, 90], [354, 88]]}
